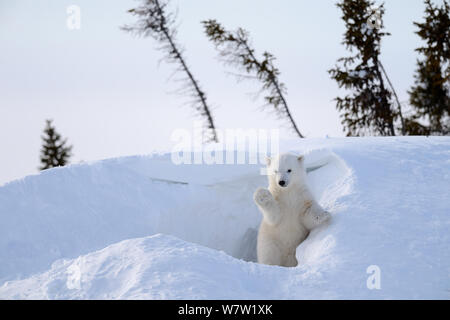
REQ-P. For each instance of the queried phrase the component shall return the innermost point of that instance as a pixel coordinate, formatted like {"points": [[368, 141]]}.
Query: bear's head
{"points": [[286, 170]]}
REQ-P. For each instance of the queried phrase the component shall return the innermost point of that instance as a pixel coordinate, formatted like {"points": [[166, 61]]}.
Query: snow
{"points": [[113, 230]]}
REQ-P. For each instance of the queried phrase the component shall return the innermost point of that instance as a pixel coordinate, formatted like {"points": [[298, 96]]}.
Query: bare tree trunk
{"points": [[386, 104], [396, 97]]}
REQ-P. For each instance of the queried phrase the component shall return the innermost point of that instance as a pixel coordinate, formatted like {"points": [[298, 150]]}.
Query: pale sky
{"points": [[110, 96]]}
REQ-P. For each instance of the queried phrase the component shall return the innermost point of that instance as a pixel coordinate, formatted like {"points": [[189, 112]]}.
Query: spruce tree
{"points": [[430, 95], [235, 49], [368, 109], [155, 20], [54, 152]]}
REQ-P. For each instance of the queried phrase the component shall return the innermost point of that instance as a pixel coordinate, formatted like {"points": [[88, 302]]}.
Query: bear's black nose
{"points": [[282, 183]]}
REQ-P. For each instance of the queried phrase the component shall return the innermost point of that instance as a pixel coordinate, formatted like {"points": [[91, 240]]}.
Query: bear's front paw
{"points": [[262, 197]]}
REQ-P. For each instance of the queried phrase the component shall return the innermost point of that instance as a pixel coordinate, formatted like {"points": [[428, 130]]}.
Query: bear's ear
{"points": [[268, 161], [301, 158]]}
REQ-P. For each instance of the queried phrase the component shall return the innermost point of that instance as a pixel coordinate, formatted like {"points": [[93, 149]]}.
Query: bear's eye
{"points": [[289, 171]]}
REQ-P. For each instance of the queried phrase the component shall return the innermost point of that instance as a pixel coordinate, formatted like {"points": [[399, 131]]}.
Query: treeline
{"points": [[371, 105]]}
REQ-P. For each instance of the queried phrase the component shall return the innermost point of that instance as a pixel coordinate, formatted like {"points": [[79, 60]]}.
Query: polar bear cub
{"points": [[289, 211]]}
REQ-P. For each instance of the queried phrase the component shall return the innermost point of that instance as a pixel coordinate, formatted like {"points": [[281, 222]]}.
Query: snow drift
{"points": [[115, 229]]}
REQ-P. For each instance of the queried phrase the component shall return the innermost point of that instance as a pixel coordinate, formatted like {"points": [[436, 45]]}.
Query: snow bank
{"points": [[389, 198], [156, 267]]}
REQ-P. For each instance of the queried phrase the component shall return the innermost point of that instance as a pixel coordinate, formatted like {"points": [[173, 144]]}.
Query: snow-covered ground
{"points": [[112, 230]]}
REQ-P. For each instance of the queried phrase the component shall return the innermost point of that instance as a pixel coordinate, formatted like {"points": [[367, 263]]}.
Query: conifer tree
{"points": [[368, 109], [235, 49], [155, 20], [430, 95], [54, 152]]}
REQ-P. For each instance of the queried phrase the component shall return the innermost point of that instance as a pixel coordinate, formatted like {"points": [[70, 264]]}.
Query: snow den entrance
{"points": [[222, 216]]}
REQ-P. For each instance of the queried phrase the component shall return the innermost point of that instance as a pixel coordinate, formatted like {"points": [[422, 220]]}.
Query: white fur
{"points": [[289, 212]]}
